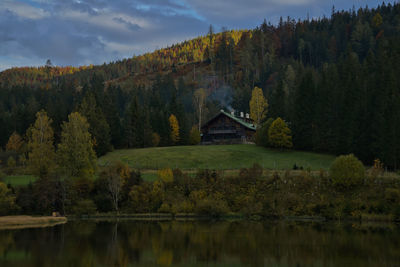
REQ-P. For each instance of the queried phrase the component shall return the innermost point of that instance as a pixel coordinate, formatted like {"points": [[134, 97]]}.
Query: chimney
{"points": [[242, 114], [247, 116]]}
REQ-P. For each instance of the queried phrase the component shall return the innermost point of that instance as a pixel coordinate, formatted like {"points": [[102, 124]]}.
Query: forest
{"points": [[334, 80]]}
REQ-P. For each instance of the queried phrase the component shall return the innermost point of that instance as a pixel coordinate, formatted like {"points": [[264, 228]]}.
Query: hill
{"points": [[218, 157], [334, 80]]}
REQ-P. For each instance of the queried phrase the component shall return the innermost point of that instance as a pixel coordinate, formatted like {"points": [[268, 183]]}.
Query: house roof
{"points": [[248, 125]]}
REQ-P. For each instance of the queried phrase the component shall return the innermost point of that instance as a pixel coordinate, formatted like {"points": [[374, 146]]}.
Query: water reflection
{"points": [[243, 243]]}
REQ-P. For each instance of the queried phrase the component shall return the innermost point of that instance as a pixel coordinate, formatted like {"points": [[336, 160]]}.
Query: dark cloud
{"points": [[75, 32]]}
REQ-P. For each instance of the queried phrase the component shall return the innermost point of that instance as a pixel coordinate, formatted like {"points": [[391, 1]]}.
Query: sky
{"points": [[83, 32]]}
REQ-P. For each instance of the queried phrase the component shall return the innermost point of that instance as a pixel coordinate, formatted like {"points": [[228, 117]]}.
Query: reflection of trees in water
{"points": [[89, 243]]}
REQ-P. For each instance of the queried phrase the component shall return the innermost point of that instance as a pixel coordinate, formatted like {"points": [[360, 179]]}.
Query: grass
{"points": [[220, 157], [149, 175], [191, 158], [17, 222], [19, 180]]}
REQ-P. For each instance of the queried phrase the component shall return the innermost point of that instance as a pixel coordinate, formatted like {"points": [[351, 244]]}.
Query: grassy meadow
{"points": [[191, 158], [219, 157], [19, 180]]}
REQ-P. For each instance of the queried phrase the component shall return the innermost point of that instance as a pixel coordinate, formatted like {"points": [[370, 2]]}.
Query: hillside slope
{"points": [[219, 157], [334, 80]]}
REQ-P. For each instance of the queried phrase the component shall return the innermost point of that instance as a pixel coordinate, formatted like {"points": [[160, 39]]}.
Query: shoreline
{"points": [[26, 221], [227, 217]]}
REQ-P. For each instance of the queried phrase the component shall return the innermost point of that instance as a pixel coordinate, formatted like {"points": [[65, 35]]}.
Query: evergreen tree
{"points": [[132, 124], [277, 103], [303, 113], [176, 108], [98, 126], [111, 113], [262, 138]]}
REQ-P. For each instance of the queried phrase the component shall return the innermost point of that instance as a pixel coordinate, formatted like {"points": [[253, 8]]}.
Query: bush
{"points": [[7, 200], [11, 165], [347, 171], [2, 175], [165, 208], [185, 206], [392, 195], [84, 207], [166, 175], [262, 133], [194, 136], [279, 134], [155, 139], [256, 171], [211, 207]]}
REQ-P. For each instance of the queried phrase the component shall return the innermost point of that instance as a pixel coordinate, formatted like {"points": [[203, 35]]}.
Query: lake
{"points": [[202, 243]]}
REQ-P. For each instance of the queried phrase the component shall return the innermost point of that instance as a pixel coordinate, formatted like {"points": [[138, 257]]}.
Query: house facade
{"points": [[226, 128]]}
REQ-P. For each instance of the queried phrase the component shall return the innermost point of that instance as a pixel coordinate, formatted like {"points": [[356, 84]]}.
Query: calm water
{"points": [[129, 243]]}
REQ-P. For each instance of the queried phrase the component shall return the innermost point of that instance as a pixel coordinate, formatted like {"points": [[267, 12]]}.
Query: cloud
{"points": [[74, 32], [23, 10]]}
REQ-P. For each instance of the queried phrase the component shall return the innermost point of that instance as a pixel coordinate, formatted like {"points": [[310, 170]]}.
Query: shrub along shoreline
{"points": [[253, 194], [347, 192]]}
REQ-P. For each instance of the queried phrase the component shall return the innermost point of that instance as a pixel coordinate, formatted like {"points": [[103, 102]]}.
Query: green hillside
{"points": [[216, 157], [19, 180]]}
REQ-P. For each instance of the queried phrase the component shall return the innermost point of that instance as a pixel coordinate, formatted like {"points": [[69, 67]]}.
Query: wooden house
{"points": [[226, 128]]}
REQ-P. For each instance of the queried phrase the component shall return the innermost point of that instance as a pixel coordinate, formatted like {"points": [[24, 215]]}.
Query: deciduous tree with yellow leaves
{"points": [[174, 125], [75, 152], [41, 147], [258, 105], [15, 142]]}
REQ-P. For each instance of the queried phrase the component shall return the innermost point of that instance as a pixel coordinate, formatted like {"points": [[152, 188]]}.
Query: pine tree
{"points": [[262, 138], [176, 108], [131, 125], [99, 128], [111, 113], [303, 113], [277, 103]]}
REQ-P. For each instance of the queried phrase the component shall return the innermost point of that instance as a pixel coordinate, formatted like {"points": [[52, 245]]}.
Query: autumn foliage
{"points": [[15, 142], [174, 125]]}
